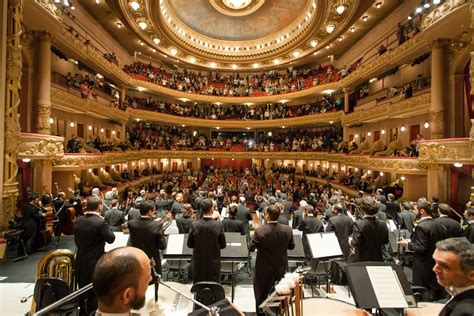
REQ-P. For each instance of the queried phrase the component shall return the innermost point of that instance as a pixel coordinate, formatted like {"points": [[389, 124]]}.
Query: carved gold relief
{"points": [[437, 124], [40, 146], [435, 152], [441, 11]]}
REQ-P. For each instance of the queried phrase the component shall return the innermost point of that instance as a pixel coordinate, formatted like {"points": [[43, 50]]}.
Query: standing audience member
{"points": [[309, 224], [120, 281], [369, 234], [423, 243], [147, 234], [454, 269], [392, 209], [342, 225], [243, 213], [299, 214], [407, 217], [177, 206], [272, 240], [207, 238]]}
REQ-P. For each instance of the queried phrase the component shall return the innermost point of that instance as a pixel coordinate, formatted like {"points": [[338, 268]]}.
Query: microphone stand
{"points": [[213, 311]]}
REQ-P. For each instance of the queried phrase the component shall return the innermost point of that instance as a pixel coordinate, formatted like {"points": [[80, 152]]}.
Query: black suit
{"points": [[309, 225], [243, 213], [184, 224], [460, 305], [30, 224], [423, 243], [469, 232], [406, 220], [369, 235], [147, 234], [272, 241], [207, 238], [297, 219], [233, 225], [91, 232], [453, 228], [282, 219], [342, 225], [115, 219], [287, 207], [392, 211]]}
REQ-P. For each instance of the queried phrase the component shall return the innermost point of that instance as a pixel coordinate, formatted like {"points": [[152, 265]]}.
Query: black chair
{"points": [[49, 290], [207, 293], [421, 293]]}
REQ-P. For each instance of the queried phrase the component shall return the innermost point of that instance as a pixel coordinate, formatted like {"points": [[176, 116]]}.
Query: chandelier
{"points": [[236, 4]]}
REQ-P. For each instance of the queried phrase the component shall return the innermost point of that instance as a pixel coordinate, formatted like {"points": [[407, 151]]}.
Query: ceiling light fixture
{"points": [[192, 60], [135, 5], [119, 25], [378, 5], [143, 25], [173, 51], [352, 29], [296, 53], [276, 61], [156, 40], [234, 66], [340, 9], [403, 128], [314, 43], [365, 18], [255, 65], [458, 164], [426, 125], [213, 65], [330, 28]]}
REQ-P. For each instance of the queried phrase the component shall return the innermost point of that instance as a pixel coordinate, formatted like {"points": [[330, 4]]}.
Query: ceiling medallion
{"points": [[236, 7]]}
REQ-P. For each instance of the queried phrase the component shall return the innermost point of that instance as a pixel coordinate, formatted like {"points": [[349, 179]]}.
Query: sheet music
{"points": [[175, 244], [387, 288], [324, 245], [121, 240]]}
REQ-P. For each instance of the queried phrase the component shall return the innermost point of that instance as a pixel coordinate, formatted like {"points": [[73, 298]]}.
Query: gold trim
{"points": [[447, 152], [40, 146]]}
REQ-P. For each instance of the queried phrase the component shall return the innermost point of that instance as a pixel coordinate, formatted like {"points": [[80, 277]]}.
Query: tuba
{"points": [[59, 263]]}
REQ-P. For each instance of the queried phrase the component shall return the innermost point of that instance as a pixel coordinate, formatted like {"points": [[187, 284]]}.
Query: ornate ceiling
{"points": [[238, 34]]}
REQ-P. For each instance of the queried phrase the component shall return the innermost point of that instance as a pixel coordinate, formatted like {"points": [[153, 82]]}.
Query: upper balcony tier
{"points": [[435, 27]]}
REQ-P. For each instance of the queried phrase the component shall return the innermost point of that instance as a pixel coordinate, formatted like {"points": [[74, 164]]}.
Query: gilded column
{"points": [[437, 181], [439, 88], [43, 79], [10, 61], [346, 100]]}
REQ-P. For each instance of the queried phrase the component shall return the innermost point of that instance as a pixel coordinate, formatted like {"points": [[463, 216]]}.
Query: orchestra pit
{"points": [[236, 157]]}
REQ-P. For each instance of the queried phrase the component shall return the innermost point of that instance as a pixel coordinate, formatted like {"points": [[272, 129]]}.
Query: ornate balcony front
{"points": [[447, 151], [39, 146]]}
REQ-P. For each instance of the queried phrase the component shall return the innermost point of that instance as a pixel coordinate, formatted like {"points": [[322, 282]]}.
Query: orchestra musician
{"points": [[31, 217], [309, 224], [453, 227], [469, 231]]}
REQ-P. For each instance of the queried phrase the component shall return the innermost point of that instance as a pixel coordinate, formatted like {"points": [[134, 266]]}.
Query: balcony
{"points": [[39, 146]]}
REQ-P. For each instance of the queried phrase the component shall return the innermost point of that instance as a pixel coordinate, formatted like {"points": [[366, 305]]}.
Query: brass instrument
{"points": [[166, 221], [59, 263]]}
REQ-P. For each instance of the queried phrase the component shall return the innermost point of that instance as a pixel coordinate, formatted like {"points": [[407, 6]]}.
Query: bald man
{"points": [[120, 280]]}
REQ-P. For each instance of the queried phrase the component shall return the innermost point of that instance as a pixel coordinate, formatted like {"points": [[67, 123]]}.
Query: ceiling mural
{"points": [[272, 17]]}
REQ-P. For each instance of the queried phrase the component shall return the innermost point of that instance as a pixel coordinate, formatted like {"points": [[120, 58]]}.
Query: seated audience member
{"points": [[114, 217], [184, 222], [469, 231], [233, 224], [120, 281], [454, 269]]}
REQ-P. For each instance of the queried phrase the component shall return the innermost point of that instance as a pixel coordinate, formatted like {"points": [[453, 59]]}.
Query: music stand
{"points": [[379, 285], [326, 248]]}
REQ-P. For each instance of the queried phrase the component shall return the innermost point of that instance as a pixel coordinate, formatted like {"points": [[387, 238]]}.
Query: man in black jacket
{"points": [[454, 269], [31, 214], [423, 243], [243, 213], [233, 224], [207, 238], [342, 225], [91, 232], [453, 227], [369, 233], [309, 224], [272, 241], [147, 234], [469, 231], [392, 209]]}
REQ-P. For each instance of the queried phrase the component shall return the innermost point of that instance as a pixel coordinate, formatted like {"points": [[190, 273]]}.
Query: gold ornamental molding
{"points": [[447, 151], [405, 108], [63, 100], [40, 146], [49, 6], [441, 11], [146, 115], [386, 164]]}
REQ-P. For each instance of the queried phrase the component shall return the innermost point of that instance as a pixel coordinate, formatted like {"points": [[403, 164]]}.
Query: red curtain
{"points": [[455, 172], [226, 163]]}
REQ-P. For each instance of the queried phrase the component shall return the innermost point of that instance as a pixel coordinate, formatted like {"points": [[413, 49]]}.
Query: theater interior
{"points": [[346, 95]]}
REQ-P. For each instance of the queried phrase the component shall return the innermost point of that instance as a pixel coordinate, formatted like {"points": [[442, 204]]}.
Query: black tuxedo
{"points": [[460, 305], [342, 225], [243, 213], [453, 228], [30, 224], [287, 207], [184, 224], [309, 225], [469, 232], [115, 219], [297, 218], [423, 243], [392, 211], [207, 238], [91, 232], [233, 225], [272, 241], [368, 237], [147, 234]]}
